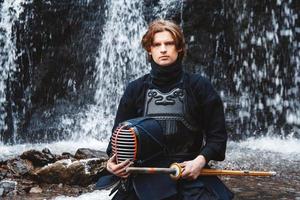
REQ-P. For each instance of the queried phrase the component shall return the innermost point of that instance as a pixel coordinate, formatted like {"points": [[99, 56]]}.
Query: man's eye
{"points": [[156, 45], [170, 43]]}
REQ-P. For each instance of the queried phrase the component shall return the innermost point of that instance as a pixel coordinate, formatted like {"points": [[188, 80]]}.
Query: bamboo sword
{"points": [[175, 171]]}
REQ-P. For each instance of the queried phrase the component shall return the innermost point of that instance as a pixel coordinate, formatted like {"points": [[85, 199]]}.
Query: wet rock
{"points": [[52, 190], [36, 190], [66, 155], [82, 172], [12, 194], [2, 174], [39, 158], [24, 186], [33, 179], [19, 166], [85, 153], [48, 152], [7, 186]]}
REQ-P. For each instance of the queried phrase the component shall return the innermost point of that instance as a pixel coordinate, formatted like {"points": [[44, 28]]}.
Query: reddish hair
{"points": [[161, 25]]}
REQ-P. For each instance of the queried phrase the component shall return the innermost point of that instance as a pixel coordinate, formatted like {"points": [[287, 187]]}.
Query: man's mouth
{"points": [[164, 57]]}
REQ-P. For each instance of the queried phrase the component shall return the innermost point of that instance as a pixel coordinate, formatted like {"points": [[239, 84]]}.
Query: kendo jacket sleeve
{"points": [[213, 123]]}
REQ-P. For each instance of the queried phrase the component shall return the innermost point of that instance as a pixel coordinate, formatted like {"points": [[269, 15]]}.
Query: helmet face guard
{"points": [[138, 139]]}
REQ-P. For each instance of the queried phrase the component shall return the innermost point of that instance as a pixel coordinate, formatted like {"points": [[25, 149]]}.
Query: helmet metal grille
{"points": [[124, 143]]}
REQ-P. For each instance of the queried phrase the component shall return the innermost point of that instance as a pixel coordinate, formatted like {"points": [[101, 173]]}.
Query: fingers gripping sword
{"points": [[175, 171]]}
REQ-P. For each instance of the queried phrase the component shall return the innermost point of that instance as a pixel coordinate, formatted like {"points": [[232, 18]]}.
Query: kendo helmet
{"points": [[138, 139]]}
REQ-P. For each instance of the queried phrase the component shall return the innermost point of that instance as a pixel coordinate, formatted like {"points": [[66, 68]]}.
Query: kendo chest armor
{"points": [[169, 109]]}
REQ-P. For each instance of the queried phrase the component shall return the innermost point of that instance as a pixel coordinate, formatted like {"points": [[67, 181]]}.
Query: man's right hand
{"points": [[118, 169]]}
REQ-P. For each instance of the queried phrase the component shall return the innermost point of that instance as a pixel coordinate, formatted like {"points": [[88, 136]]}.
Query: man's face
{"points": [[163, 49]]}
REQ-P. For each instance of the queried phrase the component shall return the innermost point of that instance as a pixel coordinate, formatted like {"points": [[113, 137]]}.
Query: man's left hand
{"points": [[191, 169]]}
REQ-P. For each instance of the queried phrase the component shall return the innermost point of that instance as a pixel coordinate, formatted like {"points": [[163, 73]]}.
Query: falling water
{"points": [[168, 8], [266, 81], [9, 14], [266, 93], [121, 58]]}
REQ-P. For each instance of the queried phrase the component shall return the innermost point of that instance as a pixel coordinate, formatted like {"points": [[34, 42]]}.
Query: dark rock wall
{"points": [[57, 42]]}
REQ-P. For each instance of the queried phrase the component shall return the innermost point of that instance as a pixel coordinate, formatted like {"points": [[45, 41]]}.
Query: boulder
{"points": [[25, 185], [85, 153], [3, 173], [7, 186], [39, 158], [19, 166], [81, 172]]}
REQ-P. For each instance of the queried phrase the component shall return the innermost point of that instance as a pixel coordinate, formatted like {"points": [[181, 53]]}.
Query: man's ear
{"points": [[179, 50]]}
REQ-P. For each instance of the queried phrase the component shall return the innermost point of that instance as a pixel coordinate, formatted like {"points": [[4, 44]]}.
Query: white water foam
{"points": [[96, 195], [271, 144], [287, 147]]}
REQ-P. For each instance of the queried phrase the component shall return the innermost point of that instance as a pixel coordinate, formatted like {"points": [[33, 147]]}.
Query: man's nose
{"points": [[163, 48]]}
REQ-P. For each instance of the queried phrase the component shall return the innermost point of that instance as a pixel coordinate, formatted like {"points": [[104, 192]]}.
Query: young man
{"points": [[199, 115]]}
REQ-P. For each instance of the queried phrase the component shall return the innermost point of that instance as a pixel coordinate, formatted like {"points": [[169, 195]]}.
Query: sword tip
{"points": [[273, 173]]}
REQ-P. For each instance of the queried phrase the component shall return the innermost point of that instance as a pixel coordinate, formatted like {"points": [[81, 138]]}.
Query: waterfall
{"points": [[260, 90], [282, 82], [267, 68], [121, 57], [120, 60], [167, 8], [9, 14]]}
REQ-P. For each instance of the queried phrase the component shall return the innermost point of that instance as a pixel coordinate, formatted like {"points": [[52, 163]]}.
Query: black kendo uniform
{"points": [[197, 112]]}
